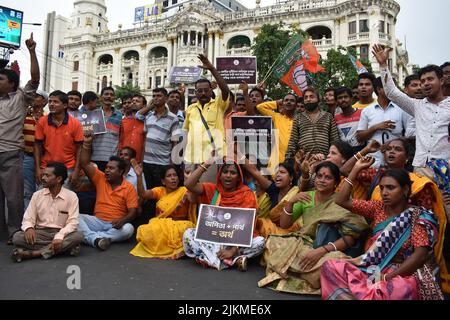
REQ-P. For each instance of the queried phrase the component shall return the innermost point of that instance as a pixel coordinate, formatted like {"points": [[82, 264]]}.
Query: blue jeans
{"points": [[94, 228], [29, 182]]}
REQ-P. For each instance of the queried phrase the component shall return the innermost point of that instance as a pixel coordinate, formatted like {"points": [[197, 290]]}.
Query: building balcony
{"points": [[244, 51], [385, 36], [104, 68], [190, 50], [323, 44], [358, 37], [131, 63], [152, 62]]}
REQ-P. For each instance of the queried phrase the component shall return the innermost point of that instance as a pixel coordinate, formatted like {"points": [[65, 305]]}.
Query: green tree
{"points": [[266, 48], [339, 70], [124, 90]]}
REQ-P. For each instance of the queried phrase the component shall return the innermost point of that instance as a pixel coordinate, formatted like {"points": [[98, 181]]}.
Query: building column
{"points": [[117, 66], [169, 55], [374, 36], [210, 45], [143, 62], [175, 52], [189, 38], [216, 46]]}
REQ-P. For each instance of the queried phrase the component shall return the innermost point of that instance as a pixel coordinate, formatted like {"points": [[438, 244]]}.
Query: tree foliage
{"points": [[122, 91], [267, 47], [339, 70], [271, 41]]}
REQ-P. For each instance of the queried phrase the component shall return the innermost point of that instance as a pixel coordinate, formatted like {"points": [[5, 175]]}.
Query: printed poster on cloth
{"points": [[225, 226]]}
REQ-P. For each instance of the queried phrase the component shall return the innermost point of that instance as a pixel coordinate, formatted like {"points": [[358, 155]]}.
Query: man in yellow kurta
{"points": [[200, 143], [282, 121]]}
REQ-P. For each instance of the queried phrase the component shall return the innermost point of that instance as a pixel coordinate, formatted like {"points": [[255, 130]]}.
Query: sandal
{"points": [[17, 255]]}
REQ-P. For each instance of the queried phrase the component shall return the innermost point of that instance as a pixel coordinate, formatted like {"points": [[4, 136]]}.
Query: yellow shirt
{"points": [[359, 105], [281, 123], [199, 148]]}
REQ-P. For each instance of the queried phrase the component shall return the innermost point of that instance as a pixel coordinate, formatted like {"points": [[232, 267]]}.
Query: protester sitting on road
{"points": [[229, 191], [116, 204], [176, 211], [50, 223], [279, 191], [327, 232], [403, 237]]}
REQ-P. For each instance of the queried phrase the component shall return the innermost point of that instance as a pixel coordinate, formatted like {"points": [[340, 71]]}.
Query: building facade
{"points": [[94, 57]]}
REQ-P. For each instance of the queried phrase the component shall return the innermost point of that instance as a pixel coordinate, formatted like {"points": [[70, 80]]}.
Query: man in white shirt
{"points": [[432, 114], [382, 122]]}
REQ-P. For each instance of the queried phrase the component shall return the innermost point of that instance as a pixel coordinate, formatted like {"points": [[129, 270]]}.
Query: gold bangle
{"points": [[204, 167], [350, 182]]}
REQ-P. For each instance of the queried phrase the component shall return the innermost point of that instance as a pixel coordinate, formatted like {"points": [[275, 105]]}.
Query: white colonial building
{"points": [[86, 55]]}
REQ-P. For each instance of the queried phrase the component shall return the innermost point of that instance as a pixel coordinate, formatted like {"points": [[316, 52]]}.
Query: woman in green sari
{"points": [[328, 232]]}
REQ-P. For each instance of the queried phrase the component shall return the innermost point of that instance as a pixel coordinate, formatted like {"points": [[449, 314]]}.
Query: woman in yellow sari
{"points": [[176, 210], [278, 193]]}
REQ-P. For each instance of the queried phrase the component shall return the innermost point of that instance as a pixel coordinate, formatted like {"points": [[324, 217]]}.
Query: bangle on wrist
{"points": [[286, 212], [334, 246], [350, 182], [205, 168], [326, 249]]}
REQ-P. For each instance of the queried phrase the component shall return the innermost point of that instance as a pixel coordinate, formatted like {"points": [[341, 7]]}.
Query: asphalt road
{"points": [[116, 275]]}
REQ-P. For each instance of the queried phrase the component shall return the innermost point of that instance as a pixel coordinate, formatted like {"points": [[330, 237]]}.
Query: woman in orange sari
{"points": [[175, 213], [229, 191]]}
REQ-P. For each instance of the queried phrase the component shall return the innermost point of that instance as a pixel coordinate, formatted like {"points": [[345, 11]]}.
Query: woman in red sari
{"points": [[229, 191], [403, 237]]}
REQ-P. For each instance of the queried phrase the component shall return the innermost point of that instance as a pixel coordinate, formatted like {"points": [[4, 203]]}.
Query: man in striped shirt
{"points": [[314, 130], [106, 145], [161, 127], [29, 129]]}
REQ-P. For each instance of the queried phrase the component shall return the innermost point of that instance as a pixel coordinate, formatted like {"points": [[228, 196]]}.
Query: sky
{"points": [[421, 23]]}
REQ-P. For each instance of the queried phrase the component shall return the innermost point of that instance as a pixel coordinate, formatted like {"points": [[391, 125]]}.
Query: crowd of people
{"points": [[356, 208]]}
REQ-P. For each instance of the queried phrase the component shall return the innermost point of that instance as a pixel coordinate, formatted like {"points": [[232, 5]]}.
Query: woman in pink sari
{"points": [[399, 253]]}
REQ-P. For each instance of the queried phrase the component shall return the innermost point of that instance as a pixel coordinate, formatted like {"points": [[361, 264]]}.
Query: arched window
{"points": [[239, 42], [319, 32]]}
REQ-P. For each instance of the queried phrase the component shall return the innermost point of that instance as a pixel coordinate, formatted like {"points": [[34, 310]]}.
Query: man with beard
{"points": [[74, 100], [413, 88], [446, 70], [50, 223], [347, 122], [282, 121], [205, 122], [314, 130], [105, 145], [116, 203], [382, 122], [330, 102], [58, 139], [366, 87], [132, 132]]}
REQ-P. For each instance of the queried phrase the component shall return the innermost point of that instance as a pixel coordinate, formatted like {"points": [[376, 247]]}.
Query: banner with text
{"points": [[185, 75], [253, 136], [91, 120], [234, 70], [225, 226]]}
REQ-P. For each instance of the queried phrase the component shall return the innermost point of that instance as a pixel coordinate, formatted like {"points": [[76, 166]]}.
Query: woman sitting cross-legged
{"points": [[402, 243], [229, 191], [176, 212], [294, 260], [279, 193]]}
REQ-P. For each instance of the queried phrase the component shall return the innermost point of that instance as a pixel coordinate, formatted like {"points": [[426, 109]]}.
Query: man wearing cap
{"points": [[14, 102], [35, 112]]}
